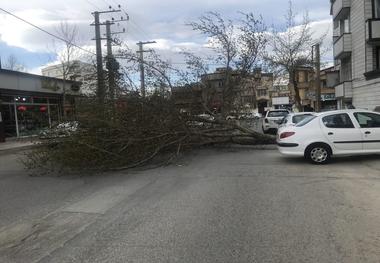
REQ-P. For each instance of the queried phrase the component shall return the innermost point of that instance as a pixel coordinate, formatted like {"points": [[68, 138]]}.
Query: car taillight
{"points": [[286, 134], [266, 120]]}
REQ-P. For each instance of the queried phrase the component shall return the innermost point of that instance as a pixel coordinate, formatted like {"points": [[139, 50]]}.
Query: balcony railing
{"points": [[340, 9], [343, 46], [373, 31], [344, 90]]}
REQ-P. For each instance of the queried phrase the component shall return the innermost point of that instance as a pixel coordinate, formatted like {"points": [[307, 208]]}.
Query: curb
{"points": [[251, 147], [13, 150]]}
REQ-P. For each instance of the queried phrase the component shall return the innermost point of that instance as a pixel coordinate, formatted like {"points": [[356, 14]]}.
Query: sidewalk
{"points": [[16, 144]]}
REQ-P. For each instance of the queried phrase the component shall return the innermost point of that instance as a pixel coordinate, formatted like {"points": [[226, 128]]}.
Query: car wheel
{"points": [[318, 154]]}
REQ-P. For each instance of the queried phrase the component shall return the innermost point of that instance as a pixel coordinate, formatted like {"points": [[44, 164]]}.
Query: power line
{"points": [[139, 29], [93, 4], [46, 32]]}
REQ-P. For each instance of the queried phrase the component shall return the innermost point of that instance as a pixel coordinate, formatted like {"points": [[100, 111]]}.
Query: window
{"points": [[305, 121], [368, 120], [376, 8], [299, 118], [261, 92], [285, 120], [277, 113], [338, 121], [39, 100], [377, 58], [345, 26]]}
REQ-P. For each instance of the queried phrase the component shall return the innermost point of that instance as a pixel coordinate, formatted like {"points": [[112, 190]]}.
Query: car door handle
{"points": [[367, 132], [330, 133]]}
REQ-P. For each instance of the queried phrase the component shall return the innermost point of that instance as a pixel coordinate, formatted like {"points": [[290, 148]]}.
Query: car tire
{"points": [[318, 153]]}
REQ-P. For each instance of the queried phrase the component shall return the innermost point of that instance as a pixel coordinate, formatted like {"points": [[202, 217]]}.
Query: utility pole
{"points": [[112, 64], [141, 61], [101, 90], [318, 77]]}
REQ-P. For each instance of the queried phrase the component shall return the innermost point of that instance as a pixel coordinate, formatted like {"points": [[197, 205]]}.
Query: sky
{"points": [[163, 21]]}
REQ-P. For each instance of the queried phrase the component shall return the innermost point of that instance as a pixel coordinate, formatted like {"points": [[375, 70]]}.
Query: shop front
{"points": [[27, 115], [28, 105]]}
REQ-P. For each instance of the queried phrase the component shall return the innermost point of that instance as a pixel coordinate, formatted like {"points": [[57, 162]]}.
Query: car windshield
{"points": [[299, 118], [277, 113], [306, 120]]}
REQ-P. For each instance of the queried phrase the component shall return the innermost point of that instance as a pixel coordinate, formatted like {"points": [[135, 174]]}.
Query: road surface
{"points": [[222, 205]]}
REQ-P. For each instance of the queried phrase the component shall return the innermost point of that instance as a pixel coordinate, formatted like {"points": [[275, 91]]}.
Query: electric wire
{"points": [[46, 32]]}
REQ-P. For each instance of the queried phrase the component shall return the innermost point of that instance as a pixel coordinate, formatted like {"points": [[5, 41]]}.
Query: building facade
{"points": [[357, 52], [251, 92], [306, 82], [29, 103], [77, 71], [280, 94]]}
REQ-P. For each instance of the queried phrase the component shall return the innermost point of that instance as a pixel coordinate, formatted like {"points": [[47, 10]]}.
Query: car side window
{"points": [[338, 121], [368, 120]]}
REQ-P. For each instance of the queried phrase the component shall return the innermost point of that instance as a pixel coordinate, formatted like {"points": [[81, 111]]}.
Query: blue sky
{"points": [[163, 21]]}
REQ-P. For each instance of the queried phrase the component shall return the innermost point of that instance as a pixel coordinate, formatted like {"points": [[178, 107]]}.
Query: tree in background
{"points": [[67, 54], [291, 48], [238, 47], [12, 63]]}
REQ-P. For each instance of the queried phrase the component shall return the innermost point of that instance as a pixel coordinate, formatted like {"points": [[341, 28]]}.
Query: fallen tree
{"points": [[130, 130], [132, 133]]}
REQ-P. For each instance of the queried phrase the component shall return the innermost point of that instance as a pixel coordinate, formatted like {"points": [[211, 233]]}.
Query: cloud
{"points": [[163, 21]]}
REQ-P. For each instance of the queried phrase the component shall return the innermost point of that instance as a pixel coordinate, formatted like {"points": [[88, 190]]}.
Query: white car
{"points": [[294, 118], [273, 119], [334, 133]]}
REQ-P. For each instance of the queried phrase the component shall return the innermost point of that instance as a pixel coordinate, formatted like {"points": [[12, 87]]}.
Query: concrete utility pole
{"points": [[142, 73], [110, 61], [101, 90], [318, 77], [112, 64]]}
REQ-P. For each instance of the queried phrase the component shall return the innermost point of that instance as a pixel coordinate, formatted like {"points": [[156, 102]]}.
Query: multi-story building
{"points": [[357, 52], [306, 82], [280, 94], [77, 71], [250, 91], [188, 98], [329, 79]]}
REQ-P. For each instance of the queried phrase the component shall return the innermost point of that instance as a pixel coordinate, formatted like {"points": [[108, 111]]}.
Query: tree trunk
{"points": [[297, 96]]}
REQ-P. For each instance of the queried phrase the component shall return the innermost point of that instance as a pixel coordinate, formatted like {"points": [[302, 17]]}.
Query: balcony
{"points": [[373, 31], [336, 34], [344, 90], [343, 46], [340, 9]]}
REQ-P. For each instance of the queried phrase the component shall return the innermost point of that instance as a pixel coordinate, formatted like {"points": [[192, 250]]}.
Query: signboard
{"points": [[280, 101], [324, 97], [328, 96]]}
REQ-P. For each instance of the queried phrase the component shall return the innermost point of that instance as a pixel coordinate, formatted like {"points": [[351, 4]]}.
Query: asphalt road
{"points": [[223, 205]]}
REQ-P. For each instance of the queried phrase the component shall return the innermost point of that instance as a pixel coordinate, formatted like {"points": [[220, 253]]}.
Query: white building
{"points": [[357, 52], [77, 71]]}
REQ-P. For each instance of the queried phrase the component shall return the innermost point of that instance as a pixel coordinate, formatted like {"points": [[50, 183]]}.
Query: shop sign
{"points": [[324, 97], [328, 96], [50, 84]]}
